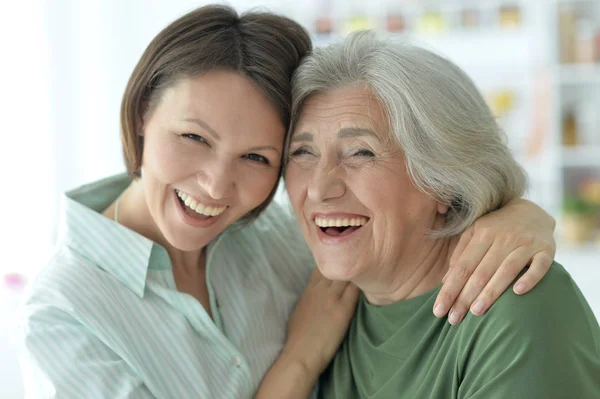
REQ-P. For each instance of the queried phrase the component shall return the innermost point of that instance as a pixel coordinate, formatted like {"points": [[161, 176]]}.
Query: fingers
{"points": [[351, 294], [506, 274], [458, 274], [539, 267], [477, 283], [315, 277], [464, 240], [337, 288]]}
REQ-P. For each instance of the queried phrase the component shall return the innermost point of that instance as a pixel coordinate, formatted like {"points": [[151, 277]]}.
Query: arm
{"points": [[492, 253], [61, 359], [315, 331]]}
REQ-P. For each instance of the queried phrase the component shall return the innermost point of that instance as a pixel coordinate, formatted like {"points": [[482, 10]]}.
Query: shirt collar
{"points": [[114, 248]]}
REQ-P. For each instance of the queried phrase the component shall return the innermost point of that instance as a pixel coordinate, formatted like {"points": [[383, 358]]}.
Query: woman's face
{"points": [[212, 153], [349, 186]]}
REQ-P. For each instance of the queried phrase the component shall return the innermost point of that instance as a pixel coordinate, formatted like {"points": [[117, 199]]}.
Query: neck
{"points": [[135, 215], [415, 274]]}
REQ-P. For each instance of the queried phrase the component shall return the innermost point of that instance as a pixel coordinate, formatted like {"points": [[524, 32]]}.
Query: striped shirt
{"points": [[104, 318]]}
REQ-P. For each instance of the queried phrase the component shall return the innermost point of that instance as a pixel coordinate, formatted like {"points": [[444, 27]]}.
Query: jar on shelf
{"points": [[597, 44], [509, 16], [567, 21], [569, 129], [585, 41], [578, 220]]}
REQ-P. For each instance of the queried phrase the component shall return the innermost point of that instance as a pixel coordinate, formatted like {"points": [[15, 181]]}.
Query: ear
{"points": [[442, 208]]}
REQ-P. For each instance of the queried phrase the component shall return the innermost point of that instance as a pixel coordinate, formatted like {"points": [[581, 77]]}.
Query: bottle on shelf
{"points": [[569, 129]]}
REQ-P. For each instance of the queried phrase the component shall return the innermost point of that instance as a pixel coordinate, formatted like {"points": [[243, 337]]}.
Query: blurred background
{"points": [[66, 62]]}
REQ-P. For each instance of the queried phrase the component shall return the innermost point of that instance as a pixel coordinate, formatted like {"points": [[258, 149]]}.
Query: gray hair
{"points": [[454, 149]]}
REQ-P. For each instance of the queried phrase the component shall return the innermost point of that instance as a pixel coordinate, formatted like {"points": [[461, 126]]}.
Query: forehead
{"points": [[352, 105], [225, 100]]}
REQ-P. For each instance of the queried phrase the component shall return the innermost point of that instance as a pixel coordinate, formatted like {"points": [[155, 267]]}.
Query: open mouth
{"points": [[340, 227], [196, 209]]}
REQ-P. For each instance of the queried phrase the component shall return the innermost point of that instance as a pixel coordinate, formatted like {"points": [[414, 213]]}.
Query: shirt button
{"points": [[236, 361]]}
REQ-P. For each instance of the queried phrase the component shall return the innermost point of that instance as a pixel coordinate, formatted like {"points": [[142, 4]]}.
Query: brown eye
{"points": [[257, 158], [195, 137]]}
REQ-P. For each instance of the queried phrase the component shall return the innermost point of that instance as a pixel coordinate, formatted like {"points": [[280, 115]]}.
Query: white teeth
{"points": [[199, 207], [324, 222]]}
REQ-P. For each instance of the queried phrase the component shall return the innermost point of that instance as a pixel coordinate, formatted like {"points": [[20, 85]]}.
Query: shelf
{"points": [[577, 74], [588, 156], [575, 1]]}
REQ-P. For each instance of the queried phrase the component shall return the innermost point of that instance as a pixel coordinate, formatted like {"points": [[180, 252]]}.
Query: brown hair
{"points": [[264, 47]]}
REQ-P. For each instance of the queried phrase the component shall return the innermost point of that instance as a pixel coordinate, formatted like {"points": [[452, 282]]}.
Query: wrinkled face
{"points": [[212, 153], [349, 186]]}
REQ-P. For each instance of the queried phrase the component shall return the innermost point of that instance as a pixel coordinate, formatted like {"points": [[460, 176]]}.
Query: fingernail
{"points": [[477, 307], [520, 288], [454, 317], [438, 310]]}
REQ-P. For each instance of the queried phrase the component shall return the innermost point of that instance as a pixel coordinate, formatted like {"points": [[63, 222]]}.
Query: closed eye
{"points": [[299, 152], [257, 158]]}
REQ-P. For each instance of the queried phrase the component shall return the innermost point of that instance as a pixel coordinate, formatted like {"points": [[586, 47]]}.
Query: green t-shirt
{"points": [[545, 344]]}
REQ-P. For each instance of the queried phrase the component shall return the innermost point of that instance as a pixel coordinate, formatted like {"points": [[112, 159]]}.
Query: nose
{"points": [[327, 182], [217, 179]]}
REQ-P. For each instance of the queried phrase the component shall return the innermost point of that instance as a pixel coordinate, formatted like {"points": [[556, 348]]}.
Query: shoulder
{"points": [[555, 304], [69, 282], [543, 343]]}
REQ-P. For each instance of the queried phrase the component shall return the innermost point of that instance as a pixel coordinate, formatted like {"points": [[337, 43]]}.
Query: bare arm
{"points": [[315, 331]]}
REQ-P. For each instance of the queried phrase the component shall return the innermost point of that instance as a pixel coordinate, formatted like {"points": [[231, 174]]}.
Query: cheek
{"points": [[164, 162], [296, 181], [255, 186]]}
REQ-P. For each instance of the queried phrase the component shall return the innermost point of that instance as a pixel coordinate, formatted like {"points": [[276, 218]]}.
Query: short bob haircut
{"points": [[264, 47], [454, 149]]}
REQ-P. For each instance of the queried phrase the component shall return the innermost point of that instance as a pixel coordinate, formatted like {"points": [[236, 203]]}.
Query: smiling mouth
{"points": [[196, 209], [340, 227]]}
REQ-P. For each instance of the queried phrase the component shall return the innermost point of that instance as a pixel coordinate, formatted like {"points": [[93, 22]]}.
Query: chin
{"points": [[186, 242], [336, 271]]}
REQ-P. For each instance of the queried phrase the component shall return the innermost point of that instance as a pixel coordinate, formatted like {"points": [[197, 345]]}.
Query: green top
{"points": [[545, 344]]}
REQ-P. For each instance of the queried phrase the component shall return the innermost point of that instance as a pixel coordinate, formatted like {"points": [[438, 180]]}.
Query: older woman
{"points": [[156, 290], [393, 153]]}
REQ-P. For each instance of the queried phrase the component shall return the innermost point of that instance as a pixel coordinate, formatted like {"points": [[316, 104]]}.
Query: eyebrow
{"points": [[305, 136], [203, 125], [346, 132]]}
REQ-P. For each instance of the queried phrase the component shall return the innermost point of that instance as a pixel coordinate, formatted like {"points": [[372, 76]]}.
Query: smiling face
{"points": [[346, 171], [212, 153]]}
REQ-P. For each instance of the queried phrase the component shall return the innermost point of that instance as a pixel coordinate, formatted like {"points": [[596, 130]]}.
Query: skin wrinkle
{"points": [[384, 265]]}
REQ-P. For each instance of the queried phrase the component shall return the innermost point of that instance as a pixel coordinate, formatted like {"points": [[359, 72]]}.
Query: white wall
{"points": [[64, 69]]}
